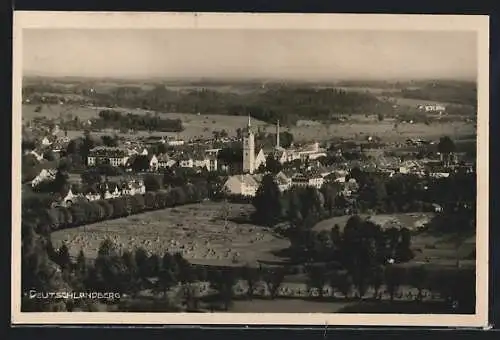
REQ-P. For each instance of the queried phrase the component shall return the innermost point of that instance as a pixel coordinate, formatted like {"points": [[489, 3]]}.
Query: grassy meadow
{"points": [[198, 231]]}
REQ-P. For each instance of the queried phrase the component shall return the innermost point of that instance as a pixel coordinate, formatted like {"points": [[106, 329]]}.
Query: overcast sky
{"points": [[304, 54]]}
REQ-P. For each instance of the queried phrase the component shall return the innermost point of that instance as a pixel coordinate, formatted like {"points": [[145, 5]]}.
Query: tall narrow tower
{"points": [[278, 134], [248, 149]]}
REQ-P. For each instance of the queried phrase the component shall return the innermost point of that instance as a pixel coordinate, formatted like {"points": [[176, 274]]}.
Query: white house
{"points": [[112, 156], [46, 141], [154, 163], [260, 159], [340, 179], [439, 174], [69, 199], [432, 108], [133, 188], [310, 179], [175, 142], [404, 170], [163, 161], [92, 196], [38, 156], [212, 164], [212, 152], [244, 185], [44, 175], [186, 161], [283, 156], [114, 191], [284, 182]]}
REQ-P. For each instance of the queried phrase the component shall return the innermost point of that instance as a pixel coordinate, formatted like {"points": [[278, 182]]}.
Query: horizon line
{"points": [[249, 78]]}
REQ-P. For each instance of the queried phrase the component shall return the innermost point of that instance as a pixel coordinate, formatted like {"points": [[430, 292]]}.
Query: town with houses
{"points": [[242, 179]]}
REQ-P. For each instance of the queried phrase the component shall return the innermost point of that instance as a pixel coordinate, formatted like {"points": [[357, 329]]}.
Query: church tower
{"points": [[278, 135], [248, 149]]}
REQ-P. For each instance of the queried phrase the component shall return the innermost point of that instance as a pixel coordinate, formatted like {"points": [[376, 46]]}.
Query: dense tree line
{"points": [[83, 212], [117, 120], [376, 193], [288, 104], [465, 94]]}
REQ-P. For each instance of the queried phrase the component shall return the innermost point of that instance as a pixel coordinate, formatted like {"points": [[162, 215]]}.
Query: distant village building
{"points": [[308, 179], [212, 152], [46, 141], [44, 175], [439, 174], [432, 108], [175, 142], [211, 163], [60, 144], [284, 182], [163, 161], [244, 185], [107, 155], [37, 154], [106, 191], [69, 198], [437, 208], [135, 187], [153, 163], [186, 161]]}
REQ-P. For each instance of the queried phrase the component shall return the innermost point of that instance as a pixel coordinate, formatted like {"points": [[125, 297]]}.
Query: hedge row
{"points": [[82, 213]]}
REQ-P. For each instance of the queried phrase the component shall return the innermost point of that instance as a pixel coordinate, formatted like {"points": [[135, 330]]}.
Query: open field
{"points": [[354, 131], [54, 111], [197, 231], [203, 126], [415, 102], [373, 90], [384, 130]]}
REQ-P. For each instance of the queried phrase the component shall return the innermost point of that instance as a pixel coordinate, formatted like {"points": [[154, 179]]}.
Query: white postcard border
{"points": [[392, 22]]}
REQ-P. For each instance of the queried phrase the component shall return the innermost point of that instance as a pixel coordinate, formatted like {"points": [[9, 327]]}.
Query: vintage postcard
{"points": [[273, 169]]}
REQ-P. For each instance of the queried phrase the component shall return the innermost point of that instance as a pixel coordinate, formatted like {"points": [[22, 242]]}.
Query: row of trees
{"points": [[455, 287], [117, 120], [83, 212]]}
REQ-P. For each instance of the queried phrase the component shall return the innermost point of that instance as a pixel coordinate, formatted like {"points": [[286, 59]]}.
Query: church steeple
{"points": [[249, 149], [278, 134]]}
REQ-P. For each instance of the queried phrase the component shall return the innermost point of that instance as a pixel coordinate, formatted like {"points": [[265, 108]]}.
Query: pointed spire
{"points": [[249, 124]]}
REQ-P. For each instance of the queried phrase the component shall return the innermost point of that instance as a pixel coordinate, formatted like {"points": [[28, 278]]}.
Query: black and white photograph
{"points": [[250, 168]]}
